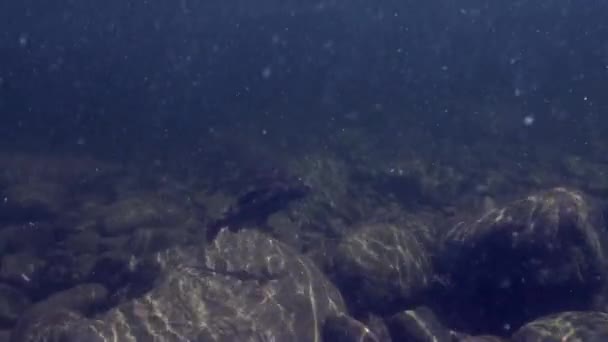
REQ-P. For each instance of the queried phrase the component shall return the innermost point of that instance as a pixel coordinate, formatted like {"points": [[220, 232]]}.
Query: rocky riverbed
{"points": [[323, 248]]}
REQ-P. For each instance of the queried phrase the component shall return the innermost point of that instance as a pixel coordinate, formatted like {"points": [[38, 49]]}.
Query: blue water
{"points": [[437, 108]]}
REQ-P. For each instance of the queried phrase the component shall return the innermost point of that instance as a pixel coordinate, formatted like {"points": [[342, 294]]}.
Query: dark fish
{"points": [[255, 206]]}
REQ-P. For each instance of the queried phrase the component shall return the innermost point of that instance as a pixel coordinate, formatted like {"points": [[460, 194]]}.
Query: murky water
{"points": [[292, 171]]}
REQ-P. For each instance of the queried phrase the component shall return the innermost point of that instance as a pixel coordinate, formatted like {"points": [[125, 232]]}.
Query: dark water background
{"points": [[143, 76], [489, 99]]}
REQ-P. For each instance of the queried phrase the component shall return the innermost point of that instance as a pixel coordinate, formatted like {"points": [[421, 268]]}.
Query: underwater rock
{"points": [[244, 286], [127, 214], [62, 270], [378, 326], [572, 326], [344, 328], [27, 202], [415, 181], [111, 269], [458, 337], [285, 228], [26, 237], [588, 174], [21, 269], [65, 269], [383, 265], [113, 243], [145, 240], [418, 325], [532, 257], [214, 204], [61, 312], [84, 242], [12, 304]]}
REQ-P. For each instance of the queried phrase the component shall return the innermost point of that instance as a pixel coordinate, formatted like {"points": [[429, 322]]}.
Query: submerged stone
{"points": [[566, 326], [378, 326], [26, 238], [21, 269], [344, 328], [418, 325], [145, 240], [48, 319], [245, 286], [31, 201], [456, 337], [381, 265], [128, 214], [12, 304], [534, 256]]}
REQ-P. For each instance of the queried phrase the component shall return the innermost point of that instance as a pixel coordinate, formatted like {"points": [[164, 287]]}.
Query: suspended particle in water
{"points": [[528, 120], [505, 283], [276, 39], [352, 116], [518, 92], [266, 72], [184, 7], [23, 40]]}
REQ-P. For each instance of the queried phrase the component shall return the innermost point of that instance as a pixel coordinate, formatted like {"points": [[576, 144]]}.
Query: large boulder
{"points": [[381, 266], [244, 286], [573, 326], [534, 256]]}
